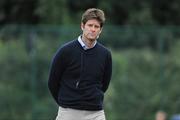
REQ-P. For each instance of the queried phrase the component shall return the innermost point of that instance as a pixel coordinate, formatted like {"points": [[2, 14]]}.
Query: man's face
{"points": [[91, 29]]}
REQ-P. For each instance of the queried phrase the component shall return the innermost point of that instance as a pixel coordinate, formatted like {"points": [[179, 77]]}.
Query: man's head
{"points": [[93, 13], [91, 24]]}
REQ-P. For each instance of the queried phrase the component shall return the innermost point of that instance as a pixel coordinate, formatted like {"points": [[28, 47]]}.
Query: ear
{"points": [[100, 31], [82, 26]]}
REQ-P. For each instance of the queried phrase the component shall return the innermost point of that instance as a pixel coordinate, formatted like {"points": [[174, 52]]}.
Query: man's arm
{"points": [[56, 71], [107, 72]]}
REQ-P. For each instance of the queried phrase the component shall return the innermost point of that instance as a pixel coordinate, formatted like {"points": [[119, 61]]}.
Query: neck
{"points": [[87, 42]]}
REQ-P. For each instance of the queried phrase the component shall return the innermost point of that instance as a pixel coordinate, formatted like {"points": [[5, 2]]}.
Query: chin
{"points": [[92, 38]]}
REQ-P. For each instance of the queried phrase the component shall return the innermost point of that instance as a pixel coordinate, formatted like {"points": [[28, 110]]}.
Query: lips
{"points": [[92, 34]]}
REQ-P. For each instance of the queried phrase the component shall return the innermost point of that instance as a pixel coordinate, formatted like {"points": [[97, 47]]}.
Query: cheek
{"points": [[85, 31]]}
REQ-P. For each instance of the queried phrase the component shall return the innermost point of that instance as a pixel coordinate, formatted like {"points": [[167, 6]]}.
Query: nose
{"points": [[93, 29]]}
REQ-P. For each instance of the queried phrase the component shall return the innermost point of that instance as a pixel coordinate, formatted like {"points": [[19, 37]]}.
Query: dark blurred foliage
{"points": [[124, 12], [166, 11], [18, 12]]}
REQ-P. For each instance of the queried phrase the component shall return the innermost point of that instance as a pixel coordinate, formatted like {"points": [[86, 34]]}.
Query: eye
{"points": [[97, 26], [90, 25]]}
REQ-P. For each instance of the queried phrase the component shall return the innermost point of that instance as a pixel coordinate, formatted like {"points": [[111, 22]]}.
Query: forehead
{"points": [[93, 21]]}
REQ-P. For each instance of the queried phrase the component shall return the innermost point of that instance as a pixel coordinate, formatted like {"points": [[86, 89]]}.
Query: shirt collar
{"points": [[84, 46]]}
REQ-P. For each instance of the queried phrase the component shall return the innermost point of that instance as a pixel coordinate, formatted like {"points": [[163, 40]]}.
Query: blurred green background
{"points": [[143, 35]]}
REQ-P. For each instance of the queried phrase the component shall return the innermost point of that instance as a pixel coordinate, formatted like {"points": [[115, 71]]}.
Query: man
{"points": [[81, 72]]}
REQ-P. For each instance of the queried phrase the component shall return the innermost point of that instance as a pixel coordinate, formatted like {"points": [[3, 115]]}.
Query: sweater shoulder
{"points": [[65, 49], [68, 46], [104, 49]]}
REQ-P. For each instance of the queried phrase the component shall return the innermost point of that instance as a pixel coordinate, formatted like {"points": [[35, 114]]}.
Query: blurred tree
{"points": [[79, 5], [116, 11], [128, 12], [166, 12], [124, 12], [18, 12], [53, 12]]}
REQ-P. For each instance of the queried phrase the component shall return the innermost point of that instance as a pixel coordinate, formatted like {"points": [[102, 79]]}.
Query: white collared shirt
{"points": [[84, 46]]}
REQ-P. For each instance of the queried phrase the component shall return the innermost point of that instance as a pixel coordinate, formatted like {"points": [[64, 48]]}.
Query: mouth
{"points": [[92, 34]]}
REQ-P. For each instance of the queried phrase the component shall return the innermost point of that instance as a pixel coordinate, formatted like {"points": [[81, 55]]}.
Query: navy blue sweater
{"points": [[78, 78]]}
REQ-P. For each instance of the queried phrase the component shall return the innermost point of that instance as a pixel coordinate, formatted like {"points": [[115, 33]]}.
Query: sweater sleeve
{"points": [[56, 71], [107, 72]]}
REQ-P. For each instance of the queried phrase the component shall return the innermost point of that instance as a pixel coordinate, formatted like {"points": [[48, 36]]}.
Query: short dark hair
{"points": [[93, 13]]}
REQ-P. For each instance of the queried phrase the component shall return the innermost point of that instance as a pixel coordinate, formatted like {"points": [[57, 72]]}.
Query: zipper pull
{"points": [[77, 84]]}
